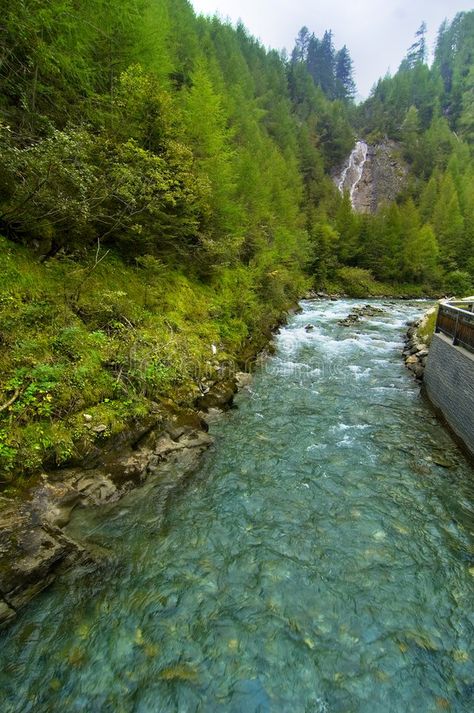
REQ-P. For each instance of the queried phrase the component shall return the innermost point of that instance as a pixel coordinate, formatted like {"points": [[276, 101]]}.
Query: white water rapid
{"points": [[352, 173]]}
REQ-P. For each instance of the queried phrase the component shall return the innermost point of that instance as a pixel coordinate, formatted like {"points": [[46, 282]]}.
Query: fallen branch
{"points": [[11, 401]]}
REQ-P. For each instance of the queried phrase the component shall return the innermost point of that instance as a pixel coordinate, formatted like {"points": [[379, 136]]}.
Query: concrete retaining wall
{"points": [[449, 385]]}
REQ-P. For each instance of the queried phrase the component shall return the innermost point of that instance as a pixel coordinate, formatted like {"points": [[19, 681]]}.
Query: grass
{"points": [[86, 352], [427, 327]]}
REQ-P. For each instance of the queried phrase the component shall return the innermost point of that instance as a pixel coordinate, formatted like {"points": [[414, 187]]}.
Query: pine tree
{"points": [[466, 122], [300, 51], [347, 226], [345, 86], [410, 132], [428, 199], [321, 63], [448, 224], [327, 79], [418, 54]]}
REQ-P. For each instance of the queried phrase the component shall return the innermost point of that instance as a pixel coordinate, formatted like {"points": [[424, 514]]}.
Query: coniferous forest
{"points": [[167, 192]]}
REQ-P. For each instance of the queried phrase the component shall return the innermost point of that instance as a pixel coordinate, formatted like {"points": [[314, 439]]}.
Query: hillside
{"points": [[428, 235], [166, 195], [154, 202]]}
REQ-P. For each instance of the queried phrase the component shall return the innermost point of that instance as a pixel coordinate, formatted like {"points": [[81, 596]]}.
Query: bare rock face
{"points": [[31, 553], [383, 177]]}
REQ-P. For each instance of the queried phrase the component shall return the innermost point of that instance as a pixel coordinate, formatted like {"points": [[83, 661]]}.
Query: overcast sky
{"points": [[376, 32]]}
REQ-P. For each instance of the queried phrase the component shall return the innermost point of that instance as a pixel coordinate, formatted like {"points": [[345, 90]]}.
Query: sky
{"points": [[377, 33]]}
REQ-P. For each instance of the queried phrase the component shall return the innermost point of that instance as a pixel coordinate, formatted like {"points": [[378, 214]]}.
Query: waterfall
{"points": [[352, 173]]}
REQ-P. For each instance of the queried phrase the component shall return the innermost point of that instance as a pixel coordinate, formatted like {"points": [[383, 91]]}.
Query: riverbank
{"points": [[105, 373], [417, 343], [34, 549], [358, 283], [93, 353]]}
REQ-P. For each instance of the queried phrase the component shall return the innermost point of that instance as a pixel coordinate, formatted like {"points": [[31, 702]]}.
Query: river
{"points": [[321, 560]]}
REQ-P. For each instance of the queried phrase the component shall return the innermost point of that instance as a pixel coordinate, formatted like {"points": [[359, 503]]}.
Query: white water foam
{"points": [[352, 173]]}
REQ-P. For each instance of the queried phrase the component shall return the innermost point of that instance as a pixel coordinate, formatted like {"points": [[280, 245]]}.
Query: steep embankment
{"points": [[417, 342]]}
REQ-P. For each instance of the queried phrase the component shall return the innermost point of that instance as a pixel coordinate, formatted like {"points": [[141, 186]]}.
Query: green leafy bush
{"points": [[459, 283]]}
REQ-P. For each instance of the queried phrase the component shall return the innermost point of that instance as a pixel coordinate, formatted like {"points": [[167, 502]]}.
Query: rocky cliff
{"points": [[383, 176]]}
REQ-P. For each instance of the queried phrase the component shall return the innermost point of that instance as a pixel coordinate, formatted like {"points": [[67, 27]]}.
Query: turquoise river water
{"points": [[321, 560]]}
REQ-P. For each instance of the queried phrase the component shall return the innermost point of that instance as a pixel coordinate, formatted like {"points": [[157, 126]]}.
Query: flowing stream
{"points": [[321, 560], [352, 173]]}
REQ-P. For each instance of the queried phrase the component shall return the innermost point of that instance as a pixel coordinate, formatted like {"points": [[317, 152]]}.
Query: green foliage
{"points": [[135, 335], [452, 64], [330, 70], [166, 186], [429, 235], [421, 255], [426, 329], [356, 282], [459, 283], [74, 188]]}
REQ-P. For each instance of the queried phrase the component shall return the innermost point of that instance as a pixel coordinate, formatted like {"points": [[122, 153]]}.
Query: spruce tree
{"points": [[418, 54], [300, 51], [345, 86]]}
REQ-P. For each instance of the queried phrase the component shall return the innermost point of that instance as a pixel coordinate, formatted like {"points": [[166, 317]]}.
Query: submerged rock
{"points": [[243, 379], [442, 461], [358, 313], [7, 614], [31, 553]]}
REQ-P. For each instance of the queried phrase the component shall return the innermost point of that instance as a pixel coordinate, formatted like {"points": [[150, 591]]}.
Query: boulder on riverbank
{"points": [[416, 348], [220, 395], [32, 551]]}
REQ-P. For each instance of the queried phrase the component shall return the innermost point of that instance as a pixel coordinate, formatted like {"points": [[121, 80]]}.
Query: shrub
{"points": [[459, 283], [357, 282]]}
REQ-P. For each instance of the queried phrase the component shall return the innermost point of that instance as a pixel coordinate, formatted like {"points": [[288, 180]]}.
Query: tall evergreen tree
{"points": [[418, 53], [345, 85], [328, 60], [300, 51], [448, 224]]}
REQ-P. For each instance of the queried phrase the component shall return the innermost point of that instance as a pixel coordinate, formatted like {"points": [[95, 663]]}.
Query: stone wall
{"points": [[449, 385]]}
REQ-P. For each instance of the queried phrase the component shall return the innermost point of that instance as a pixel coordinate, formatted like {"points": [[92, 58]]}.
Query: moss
{"points": [[81, 359], [427, 326]]}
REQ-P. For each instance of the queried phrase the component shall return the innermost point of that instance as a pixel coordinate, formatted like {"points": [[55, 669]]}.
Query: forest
{"points": [[167, 193]]}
